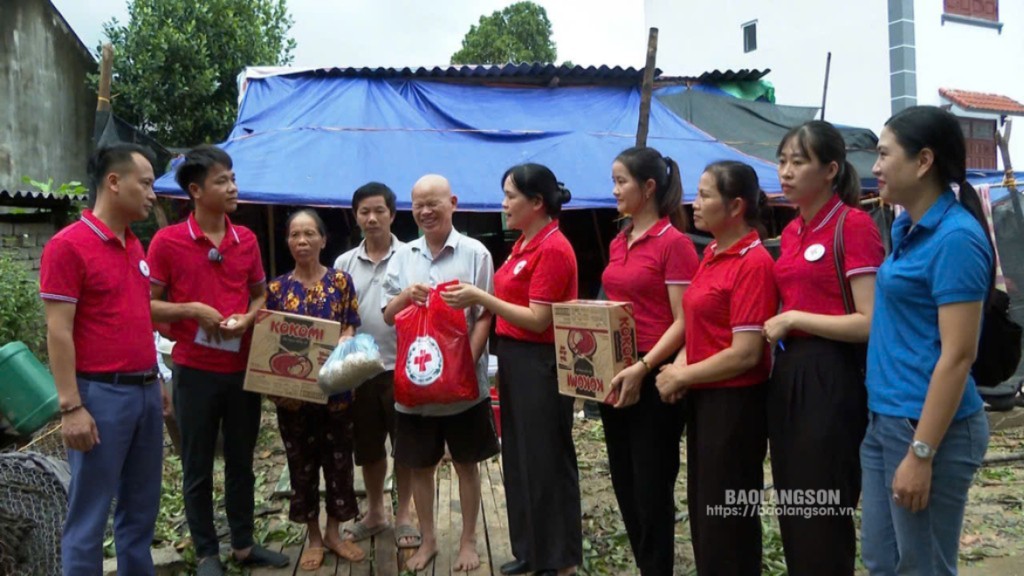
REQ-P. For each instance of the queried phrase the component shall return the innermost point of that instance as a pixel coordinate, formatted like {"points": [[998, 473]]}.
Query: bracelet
{"points": [[644, 362], [66, 411]]}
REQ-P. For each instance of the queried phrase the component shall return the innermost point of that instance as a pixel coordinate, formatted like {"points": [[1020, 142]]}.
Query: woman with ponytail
{"points": [[650, 264], [542, 488], [927, 430], [723, 367], [817, 404]]}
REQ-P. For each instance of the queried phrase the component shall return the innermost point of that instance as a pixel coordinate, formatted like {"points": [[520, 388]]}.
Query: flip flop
{"points": [[312, 558], [406, 531], [361, 531], [353, 554]]}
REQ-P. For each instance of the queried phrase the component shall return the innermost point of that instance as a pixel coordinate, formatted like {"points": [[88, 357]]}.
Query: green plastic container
{"points": [[28, 396]]}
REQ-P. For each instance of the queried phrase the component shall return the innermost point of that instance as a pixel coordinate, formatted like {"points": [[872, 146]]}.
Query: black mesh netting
{"points": [[33, 504]]}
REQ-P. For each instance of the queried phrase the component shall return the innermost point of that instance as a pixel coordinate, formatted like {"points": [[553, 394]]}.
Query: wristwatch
{"points": [[922, 450]]}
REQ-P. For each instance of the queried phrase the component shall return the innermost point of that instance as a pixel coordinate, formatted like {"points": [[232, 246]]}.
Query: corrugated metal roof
{"points": [[525, 71], [38, 195], [717, 76]]}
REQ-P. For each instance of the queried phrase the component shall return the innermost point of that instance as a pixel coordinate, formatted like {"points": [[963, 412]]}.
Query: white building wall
{"points": [[968, 57], [793, 37]]}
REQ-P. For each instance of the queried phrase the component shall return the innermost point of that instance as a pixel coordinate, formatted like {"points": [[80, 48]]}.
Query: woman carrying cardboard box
{"points": [[317, 435], [650, 264]]}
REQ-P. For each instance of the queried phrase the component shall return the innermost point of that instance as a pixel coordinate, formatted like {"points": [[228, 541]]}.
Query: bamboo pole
{"points": [[106, 71], [643, 124]]}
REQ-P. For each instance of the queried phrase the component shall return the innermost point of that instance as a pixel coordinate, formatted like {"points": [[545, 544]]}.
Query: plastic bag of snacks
{"points": [[352, 362]]}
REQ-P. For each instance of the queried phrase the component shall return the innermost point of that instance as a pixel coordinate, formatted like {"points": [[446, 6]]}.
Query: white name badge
{"points": [[226, 344], [814, 252]]}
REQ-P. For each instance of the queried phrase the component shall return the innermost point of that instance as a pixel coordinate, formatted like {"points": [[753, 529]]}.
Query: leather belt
{"points": [[125, 378]]}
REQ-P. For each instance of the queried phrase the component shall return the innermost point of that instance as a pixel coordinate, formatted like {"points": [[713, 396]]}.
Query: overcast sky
{"points": [[399, 33]]}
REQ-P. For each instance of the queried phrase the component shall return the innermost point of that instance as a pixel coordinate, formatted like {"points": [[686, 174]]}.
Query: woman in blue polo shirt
{"points": [[927, 431]]}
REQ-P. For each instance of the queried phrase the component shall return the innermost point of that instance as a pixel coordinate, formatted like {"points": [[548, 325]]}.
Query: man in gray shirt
{"points": [[373, 410], [441, 255]]}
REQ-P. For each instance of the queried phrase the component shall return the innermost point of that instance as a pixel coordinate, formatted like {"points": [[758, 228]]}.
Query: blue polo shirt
{"points": [[942, 260]]}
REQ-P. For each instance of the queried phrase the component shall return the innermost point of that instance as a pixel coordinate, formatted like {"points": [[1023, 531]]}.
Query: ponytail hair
{"points": [[738, 180], [645, 164], [820, 139], [920, 127]]}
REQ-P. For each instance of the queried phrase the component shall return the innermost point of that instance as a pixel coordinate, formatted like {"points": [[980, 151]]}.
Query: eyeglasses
{"points": [[215, 256]]}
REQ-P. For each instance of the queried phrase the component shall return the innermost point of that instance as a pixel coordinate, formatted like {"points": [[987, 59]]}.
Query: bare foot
{"points": [[468, 559], [423, 556]]}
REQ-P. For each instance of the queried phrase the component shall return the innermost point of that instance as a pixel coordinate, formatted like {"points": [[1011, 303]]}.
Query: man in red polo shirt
{"points": [[94, 282], [208, 283]]}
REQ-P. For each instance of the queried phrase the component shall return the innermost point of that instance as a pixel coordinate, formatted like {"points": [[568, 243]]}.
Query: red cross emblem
{"points": [[422, 359]]}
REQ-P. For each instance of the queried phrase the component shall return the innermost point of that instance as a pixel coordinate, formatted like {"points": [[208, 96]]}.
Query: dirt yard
{"points": [[992, 543]]}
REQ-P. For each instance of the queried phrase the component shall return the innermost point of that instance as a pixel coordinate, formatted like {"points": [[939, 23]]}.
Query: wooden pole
{"points": [[1003, 142], [106, 70], [824, 93], [271, 249], [645, 90]]}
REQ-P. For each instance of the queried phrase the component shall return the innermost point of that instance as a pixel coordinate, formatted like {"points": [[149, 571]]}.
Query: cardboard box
{"points": [[594, 340], [287, 353]]}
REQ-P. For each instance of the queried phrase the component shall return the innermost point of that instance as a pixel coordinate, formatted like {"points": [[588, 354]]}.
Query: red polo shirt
{"points": [[86, 264], [805, 273], [640, 274], [542, 271], [732, 292], [180, 259]]}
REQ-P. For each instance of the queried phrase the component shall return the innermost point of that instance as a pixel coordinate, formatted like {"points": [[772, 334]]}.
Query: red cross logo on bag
{"points": [[424, 362]]}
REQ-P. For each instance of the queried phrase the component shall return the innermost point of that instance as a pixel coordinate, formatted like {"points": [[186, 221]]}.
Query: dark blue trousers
{"points": [[128, 464]]}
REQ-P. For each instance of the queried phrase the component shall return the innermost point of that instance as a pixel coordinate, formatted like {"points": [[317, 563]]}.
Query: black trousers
{"points": [[726, 443], [206, 403], [643, 454], [817, 415], [542, 488]]}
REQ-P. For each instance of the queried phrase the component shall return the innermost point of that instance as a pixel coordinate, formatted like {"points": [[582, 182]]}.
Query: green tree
{"points": [[519, 33], [176, 62]]}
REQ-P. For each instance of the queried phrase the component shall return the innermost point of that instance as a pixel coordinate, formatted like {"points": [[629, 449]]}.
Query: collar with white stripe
{"points": [[192, 230]]}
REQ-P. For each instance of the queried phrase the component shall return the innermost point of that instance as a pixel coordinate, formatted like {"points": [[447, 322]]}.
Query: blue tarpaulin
{"points": [[311, 139]]}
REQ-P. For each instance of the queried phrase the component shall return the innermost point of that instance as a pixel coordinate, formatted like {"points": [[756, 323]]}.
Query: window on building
{"points": [[981, 143], [981, 9], [750, 36]]}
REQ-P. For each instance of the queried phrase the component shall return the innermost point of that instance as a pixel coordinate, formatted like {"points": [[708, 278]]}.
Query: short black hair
{"points": [[371, 189], [197, 164], [112, 158]]}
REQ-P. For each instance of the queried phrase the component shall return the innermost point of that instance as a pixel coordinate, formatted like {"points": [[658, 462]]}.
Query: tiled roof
{"points": [[982, 101]]}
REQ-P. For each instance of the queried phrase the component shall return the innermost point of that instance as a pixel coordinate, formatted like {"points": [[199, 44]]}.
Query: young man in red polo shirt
{"points": [[208, 283], [94, 282]]}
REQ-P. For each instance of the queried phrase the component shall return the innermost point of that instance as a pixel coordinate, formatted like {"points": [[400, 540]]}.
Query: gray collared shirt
{"points": [[461, 258], [368, 278]]}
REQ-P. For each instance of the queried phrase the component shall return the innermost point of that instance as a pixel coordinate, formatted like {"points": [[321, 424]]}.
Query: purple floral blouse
{"points": [[332, 298]]}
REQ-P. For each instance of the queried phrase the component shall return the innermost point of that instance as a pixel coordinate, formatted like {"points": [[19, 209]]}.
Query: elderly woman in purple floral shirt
{"points": [[317, 435]]}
